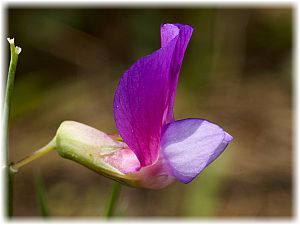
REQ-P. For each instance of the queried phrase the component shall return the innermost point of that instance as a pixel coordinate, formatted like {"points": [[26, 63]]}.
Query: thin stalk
{"points": [[14, 53], [115, 192], [41, 196], [37, 154], [10, 192]]}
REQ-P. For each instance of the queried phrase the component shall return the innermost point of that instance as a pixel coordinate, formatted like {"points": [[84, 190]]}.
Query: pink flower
{"points": [[157, 149]]}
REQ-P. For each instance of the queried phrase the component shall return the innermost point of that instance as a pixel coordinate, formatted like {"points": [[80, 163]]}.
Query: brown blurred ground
{"points": [[237, 73]]}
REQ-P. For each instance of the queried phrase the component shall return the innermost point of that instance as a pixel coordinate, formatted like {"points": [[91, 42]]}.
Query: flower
{"points": [[154, 149]]}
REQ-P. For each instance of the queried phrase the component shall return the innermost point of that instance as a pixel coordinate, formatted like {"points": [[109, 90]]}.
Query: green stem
{"points": [[115, 192], [41, 196], [14, 51], [37, 154], [9, 198]]}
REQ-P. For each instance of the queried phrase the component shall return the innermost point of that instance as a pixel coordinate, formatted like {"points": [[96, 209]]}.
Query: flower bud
{"points": [[96, 150]]}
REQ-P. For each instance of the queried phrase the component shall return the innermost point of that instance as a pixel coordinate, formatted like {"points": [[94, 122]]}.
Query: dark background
{"points": [[237, 72]]}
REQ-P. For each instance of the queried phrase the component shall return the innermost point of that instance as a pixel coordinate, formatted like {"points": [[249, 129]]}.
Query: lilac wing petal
{"points": [[142, 99], [190, 145]]}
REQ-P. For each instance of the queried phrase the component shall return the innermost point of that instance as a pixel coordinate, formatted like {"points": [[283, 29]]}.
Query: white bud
{"points": [[18, 50], [11, 41]]}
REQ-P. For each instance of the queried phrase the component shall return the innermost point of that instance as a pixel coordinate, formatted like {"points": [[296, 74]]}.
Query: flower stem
{"points": [[41, 196], [14, 53], [37, 154], [9, 197], [115, 192]]}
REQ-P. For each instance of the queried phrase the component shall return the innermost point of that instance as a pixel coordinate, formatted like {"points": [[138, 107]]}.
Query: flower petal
{"points": [[142, 99], [190, 145], [168, 33]]}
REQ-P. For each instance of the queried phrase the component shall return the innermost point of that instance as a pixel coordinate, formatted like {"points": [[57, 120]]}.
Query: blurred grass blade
{"points": [[41, 196], [113, 199]]}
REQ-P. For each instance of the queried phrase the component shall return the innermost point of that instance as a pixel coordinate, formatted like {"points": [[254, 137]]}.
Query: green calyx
{"points": [[88, 146]]}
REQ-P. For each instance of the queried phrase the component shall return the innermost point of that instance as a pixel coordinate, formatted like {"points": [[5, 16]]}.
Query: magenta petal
{"points": [[145, 95], [190, 145], [168, 33]]}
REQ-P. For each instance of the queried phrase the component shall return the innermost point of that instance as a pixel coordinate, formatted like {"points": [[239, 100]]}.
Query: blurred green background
{"points": [[237, 72]]}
